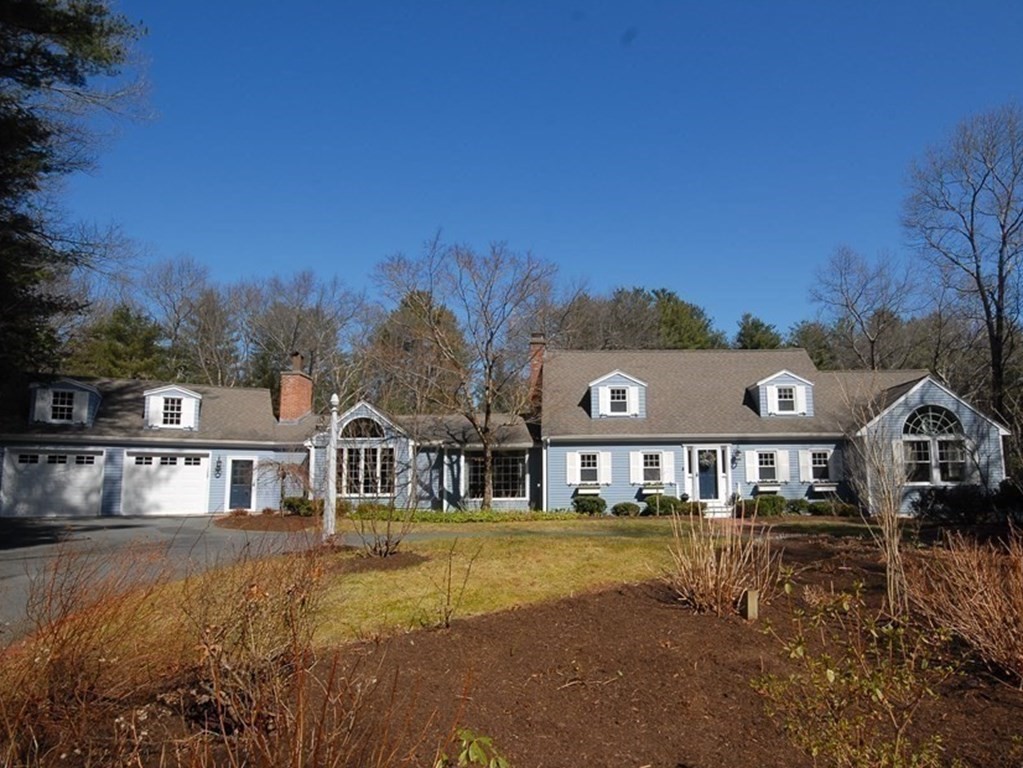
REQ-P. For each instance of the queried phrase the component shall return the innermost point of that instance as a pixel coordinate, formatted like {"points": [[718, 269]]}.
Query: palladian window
{"points": [[934, 447]]}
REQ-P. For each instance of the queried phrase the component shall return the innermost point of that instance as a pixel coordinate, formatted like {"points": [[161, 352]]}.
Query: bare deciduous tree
{"points": [[498, 298], [867, 304], [964, 212]]}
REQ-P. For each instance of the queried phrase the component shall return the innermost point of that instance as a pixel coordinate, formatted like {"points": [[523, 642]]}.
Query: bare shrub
{"points": [[89, 655], [125, 667], [975, 591], [857, 684], [715, 561]]}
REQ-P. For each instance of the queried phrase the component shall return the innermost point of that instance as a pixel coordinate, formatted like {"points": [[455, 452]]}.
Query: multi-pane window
{"points": [[509, 475], [917, 455], [85, 460], [952, 461], [168, 461], [934, 449], [28, 458], [56, 458], [193, 461], [819, 465], [767, 466], [588, 472], [786, 399], [651, 467], [62, 405], [172, 411], [367, 471], [143, 461], [619, 399]]}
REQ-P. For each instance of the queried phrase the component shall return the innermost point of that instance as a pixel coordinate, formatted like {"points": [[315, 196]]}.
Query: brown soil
{"points": [[628, 677], [267, 523]]}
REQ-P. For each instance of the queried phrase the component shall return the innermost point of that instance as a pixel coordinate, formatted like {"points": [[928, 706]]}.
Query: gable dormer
{"points": [[172, 407], [784, 394], [64, 401], [617, 395]]}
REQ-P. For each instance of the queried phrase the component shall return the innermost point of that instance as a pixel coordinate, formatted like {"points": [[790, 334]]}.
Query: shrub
{"points": [[298, 505], [975, 591], [797, 506], [714, 562], [268, 511], [764, 505], [625, 509], [238, 512], [858, 681], [589, 505], [955, 505], [833, 508], [665, 505]]}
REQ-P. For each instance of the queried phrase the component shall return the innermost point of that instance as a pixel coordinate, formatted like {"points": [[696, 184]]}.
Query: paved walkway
{"points": [[28, 546]]}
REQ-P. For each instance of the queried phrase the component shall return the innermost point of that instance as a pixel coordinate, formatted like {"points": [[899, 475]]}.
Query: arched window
{"points": [[365, 469], [362, 428], [934, 448]]}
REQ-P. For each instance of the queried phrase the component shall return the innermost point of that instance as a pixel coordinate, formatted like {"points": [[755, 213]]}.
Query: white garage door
{"points": [[43, 484], [165, 484]]}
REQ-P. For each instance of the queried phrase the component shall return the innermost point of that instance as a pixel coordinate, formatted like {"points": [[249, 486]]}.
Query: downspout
{"points": [[414, 466], [543, 479], [443, 479]]}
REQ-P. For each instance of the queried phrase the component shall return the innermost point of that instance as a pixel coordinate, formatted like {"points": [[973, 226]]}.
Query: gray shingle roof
{"points": [[694, 393], [510, 431], [228, 414]]}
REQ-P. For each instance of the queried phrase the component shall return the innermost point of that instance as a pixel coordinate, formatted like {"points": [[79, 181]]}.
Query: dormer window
{"points": [[172, 407], [786, 399], [62, 405], [172, 411], [618, 400]]}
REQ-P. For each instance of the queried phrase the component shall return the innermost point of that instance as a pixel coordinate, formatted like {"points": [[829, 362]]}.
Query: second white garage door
{"points": [[166, 484]]}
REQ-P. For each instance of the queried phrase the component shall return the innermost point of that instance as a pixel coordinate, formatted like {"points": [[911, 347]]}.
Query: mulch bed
{"points": [[628, 677], [268, 523]]}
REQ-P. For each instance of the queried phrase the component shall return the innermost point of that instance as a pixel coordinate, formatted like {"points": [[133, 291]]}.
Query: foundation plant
{"points": [[125, 664]]}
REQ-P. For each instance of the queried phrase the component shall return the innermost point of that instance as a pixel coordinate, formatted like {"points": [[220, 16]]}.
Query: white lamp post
{"points": [[330, 507]]}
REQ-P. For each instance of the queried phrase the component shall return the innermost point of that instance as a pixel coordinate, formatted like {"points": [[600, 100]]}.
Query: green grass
{"points": [[518, 563]]}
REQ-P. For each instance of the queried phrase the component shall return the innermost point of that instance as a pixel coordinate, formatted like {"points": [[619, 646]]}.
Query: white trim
{"points": [[344, 418], [783, 372], [616, 372], [172, 388], [546, 474], [227, 483], [1002, 431]]}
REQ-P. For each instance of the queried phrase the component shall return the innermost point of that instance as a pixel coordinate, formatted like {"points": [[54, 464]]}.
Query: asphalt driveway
{"points": [[28, 546]]}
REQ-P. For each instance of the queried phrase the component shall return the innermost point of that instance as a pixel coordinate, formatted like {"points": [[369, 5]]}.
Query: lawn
{"points": [[505, 566]]}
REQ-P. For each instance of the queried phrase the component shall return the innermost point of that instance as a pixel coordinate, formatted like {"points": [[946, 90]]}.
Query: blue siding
{"points": [[617, 380], [113, 478], [986, 462], [784, 380], [560, 493]]}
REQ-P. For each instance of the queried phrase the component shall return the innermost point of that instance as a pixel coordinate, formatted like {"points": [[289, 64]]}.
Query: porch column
{"points": [[330, 507]]}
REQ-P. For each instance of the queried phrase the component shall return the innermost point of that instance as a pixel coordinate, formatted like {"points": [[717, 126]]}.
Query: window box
{"points": [[824, 486], [768, 487], [588, 490]]}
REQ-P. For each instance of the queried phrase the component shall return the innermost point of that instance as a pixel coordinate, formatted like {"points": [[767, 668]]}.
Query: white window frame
{"points": [[638, 466], [781, 466], [798, 400], [377, 491], [631, 401], [574, 468], [172, 411], [65, 394], [471, 457]]}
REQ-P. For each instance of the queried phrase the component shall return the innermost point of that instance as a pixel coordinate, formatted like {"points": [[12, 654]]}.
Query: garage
{"points": [[51, 483], [165, 483]]}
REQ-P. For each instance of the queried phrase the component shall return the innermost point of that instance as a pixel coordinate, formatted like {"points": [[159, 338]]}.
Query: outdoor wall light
{"points": [[736, 454], [218, 469]]}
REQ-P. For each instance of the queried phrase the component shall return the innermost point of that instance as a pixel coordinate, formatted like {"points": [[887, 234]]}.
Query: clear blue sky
{"points": [[718, 149]]}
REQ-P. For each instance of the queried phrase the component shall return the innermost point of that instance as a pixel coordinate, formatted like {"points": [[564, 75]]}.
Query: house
{"points": [[714, 425], [627, 425], [428, 461], [91, 446]]}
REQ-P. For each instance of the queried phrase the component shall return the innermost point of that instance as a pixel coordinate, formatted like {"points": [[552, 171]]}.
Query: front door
{"points": [[708, 466], [240, 496]]}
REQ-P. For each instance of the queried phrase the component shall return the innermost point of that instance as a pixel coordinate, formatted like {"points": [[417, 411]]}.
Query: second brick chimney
{"points": [[296, 391]]}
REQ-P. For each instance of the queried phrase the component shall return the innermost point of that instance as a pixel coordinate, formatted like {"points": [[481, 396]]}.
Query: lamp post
{"points": [[330, 507]]}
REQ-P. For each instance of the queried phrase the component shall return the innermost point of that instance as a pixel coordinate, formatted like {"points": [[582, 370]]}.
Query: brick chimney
{"points": [[296, 390], [537, 345]]}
